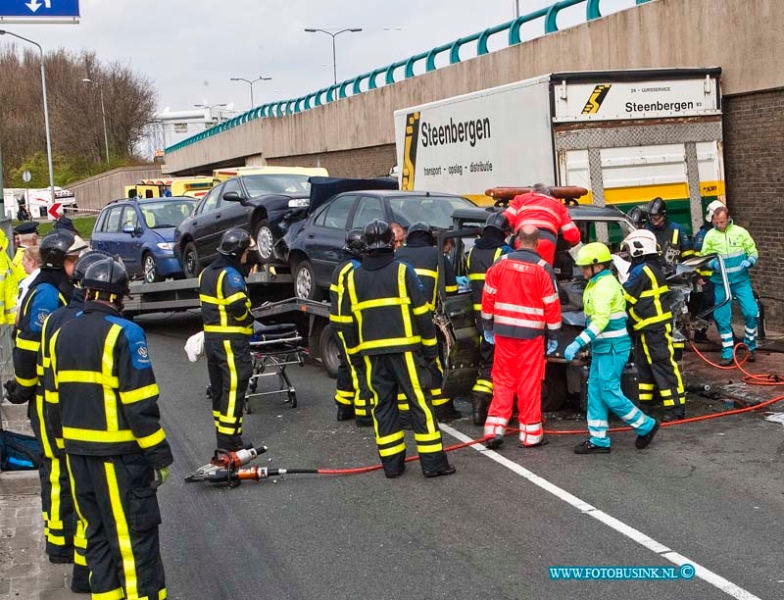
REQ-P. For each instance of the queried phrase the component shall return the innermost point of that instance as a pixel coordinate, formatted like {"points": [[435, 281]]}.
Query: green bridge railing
{"points": [[354, 86]]}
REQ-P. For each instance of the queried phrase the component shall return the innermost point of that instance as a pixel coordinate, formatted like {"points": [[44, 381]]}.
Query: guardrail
{"points": [[354, 86]]}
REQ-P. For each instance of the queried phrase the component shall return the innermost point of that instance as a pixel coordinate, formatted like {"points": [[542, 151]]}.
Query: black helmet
{"points": [[354, 243], [234, 242], [54, 248], [377, 234], [657, 206], [638, 216], [498, 221], [84, 262], [107, 275], [418, 230]]}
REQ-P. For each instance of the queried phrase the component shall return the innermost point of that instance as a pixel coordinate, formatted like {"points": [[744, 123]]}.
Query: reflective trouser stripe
{"points": [[123, 533], [657, 367]]}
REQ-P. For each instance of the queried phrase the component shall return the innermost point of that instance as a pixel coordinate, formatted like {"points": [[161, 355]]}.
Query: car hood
{"points": [[163, 234], [324, 188]]}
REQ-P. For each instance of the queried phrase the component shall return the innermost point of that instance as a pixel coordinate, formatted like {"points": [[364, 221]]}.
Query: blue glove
{"points": [[571, 351], [462, 281], [745, 264], [489, 337], [552, 346], [713, 265]]}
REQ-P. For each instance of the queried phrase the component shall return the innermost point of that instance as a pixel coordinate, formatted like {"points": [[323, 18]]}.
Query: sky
{"points": [[191, 48]]}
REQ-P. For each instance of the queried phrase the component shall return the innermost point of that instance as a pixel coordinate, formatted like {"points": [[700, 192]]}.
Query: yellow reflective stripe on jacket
{"points": [[107, 371], [153, 439], [408, 329], [86, 377], [142, 393], [95, 435], [30, 345], [380, 302], [222, 329]]}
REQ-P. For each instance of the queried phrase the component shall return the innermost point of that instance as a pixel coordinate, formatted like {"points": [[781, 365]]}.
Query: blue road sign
{"points": [[39, 8]]}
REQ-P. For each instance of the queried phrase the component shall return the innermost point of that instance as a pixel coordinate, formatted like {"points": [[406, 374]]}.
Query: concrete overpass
{"points": [[354, 136]]}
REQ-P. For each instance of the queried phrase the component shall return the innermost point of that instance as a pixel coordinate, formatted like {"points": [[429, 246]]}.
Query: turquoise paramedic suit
{"points": [[736, 247], [605, 311]]}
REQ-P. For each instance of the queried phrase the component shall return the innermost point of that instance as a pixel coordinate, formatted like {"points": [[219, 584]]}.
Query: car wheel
{"points": [[554, 387], [328, 349], [149, 270], [305, 281], [191, 265], [264, 241]]}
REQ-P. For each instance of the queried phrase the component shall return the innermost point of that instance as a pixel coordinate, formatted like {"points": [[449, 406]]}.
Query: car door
{"points": [[456, 328], [110, 234], [234, 214], [205, 225], [129, 244], [325, 239]]}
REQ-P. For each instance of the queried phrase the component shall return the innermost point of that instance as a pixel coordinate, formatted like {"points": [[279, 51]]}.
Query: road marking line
{"points": [[666, 553]]}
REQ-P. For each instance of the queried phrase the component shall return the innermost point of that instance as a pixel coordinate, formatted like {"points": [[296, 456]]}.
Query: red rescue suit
{"points": [[520, 305], [549, 216]]}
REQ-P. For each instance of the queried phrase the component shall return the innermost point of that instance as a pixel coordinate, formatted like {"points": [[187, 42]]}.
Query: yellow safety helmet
{"points": [[594, 253]]}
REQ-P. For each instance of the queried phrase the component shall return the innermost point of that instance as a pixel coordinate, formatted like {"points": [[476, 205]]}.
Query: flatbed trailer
{"points": [[183, 294]]}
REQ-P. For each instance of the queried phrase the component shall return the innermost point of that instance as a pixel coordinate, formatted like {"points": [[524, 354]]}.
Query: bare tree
{"points": [[74, 107]]}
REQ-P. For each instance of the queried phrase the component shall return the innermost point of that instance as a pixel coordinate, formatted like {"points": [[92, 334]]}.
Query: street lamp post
{"points": [[333, 35], [103, 113], [517, 8], [249, 82], [46, 107], [210, 107]]}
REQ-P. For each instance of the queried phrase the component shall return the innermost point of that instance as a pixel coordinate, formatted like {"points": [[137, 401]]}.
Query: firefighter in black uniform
{"points": [[49, 291], [107, 412], [228, 327], [487, 249], [351, 392], [392, 332], [420, 252], [673, 242], [56, 486], [650, 312]]}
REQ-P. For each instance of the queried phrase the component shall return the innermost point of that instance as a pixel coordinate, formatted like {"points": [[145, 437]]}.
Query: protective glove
{"points": [[11, 389], [745, 264], [552, 346], [462, 281], [489, 337], [161, 475], [713, 265], [571, 351]]}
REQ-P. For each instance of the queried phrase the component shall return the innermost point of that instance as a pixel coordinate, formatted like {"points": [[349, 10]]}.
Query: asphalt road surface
{"points": [[706, 494]]}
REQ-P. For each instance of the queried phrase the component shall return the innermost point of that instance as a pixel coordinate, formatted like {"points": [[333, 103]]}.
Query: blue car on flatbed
{"points": [[141, 232]]}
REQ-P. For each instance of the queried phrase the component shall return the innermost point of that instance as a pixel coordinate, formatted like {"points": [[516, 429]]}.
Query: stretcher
{"points": [[272, 349]]}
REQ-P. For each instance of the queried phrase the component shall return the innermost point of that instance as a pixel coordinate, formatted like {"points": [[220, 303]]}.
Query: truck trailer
{"points": [[627, 136]]}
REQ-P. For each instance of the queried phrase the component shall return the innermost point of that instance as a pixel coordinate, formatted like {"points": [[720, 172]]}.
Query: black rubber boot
{"points": [[480, 404], [345, 413], [447, 412]]}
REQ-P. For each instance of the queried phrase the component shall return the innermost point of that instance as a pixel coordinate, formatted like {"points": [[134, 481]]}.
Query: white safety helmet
{"points": [[640, 243], [712, 208]]}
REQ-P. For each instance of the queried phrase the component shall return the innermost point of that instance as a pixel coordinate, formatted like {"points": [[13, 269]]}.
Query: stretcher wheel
{"points": [[253, 386], [247, 407], [293, 399]]}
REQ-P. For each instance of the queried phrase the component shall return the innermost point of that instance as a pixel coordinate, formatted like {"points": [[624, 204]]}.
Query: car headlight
{"points": [[299, 203], [166, 246]]}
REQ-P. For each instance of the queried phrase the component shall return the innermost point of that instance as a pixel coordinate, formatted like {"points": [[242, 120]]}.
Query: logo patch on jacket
{"points": [[140, 355]]}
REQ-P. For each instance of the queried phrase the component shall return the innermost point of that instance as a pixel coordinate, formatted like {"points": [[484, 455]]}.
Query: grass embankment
{"points": [[83, 225]]}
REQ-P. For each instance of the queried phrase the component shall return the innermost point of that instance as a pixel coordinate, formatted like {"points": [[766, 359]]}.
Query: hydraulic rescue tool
{"points": [[224, 465]]}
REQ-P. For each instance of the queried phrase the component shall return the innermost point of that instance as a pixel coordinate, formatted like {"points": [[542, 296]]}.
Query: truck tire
{"points": [[191, 265], [328, 349], [554, 387]]}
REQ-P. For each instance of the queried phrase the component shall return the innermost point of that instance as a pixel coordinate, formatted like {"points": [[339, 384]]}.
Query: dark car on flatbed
{"points": [[265, 205]]}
